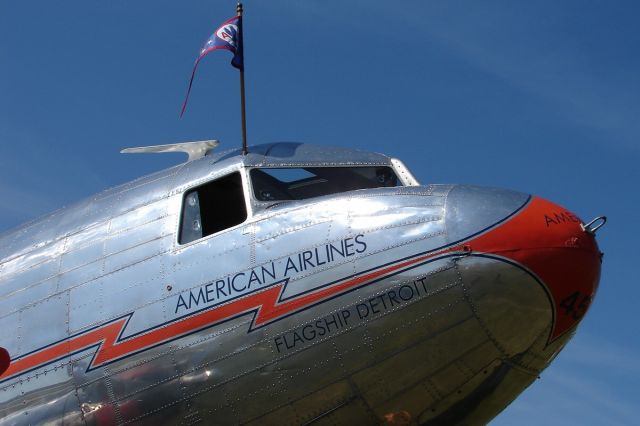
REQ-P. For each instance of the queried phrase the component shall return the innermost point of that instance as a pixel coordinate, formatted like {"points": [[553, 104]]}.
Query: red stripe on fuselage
{"points": [[264, 301]]}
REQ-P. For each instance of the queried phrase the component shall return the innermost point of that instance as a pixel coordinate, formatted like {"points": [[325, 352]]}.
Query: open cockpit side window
{"points": [[299, 183], [212, 207]]}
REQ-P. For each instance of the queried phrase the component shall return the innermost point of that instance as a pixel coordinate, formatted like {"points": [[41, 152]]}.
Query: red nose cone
{"points": [[550, 242]]}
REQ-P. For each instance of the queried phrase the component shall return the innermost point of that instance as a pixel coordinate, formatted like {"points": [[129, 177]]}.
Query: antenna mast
{"points": [[242, 100]]}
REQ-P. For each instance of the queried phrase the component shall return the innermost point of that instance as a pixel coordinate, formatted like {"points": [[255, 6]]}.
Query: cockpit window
{"points": [[213, 207], [280, 184]]}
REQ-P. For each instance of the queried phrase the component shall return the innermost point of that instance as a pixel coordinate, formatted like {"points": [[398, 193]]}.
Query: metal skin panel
{"points": [[49, 400], [10, 332], [408, 305], [27, 296], [28, 271]]}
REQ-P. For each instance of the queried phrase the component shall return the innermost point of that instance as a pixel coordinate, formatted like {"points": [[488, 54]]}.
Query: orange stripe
{"points": [[266, 301]]}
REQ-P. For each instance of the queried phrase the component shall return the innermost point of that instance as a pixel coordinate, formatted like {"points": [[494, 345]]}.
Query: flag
{"points": [[228, 37]]}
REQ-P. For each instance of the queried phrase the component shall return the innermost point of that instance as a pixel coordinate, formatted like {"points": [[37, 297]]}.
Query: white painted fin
{"points": [[194, 150]]}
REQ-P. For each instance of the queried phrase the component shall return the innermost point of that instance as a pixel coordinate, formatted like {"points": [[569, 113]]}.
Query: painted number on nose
{"points": [[569, 304]]}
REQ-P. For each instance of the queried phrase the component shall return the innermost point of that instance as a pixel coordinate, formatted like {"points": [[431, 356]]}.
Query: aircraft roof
{"points": [[101, 207], [293, 153]]}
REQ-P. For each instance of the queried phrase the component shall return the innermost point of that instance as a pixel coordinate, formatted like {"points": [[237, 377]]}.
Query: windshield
{"points": [[278, 184]]}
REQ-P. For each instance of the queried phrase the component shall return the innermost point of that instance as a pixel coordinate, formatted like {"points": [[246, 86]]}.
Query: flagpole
{"points": [[242, 100]]}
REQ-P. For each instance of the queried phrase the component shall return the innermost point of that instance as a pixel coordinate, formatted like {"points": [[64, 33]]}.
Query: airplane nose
{"points": [[548, 241]]}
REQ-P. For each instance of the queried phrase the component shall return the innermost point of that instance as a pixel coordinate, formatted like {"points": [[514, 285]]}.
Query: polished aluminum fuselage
{"points": [[363, 330]]}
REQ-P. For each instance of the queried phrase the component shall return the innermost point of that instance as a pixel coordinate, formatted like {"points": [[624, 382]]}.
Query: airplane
{"points": [[296, 284]]}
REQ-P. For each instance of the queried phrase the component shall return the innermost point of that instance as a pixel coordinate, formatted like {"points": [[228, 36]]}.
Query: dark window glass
{"points": [[278, 184], [213, 207]]}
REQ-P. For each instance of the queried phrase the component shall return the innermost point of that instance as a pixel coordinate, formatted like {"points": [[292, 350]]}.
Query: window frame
{"points": [[246, 190], [302, 166]]}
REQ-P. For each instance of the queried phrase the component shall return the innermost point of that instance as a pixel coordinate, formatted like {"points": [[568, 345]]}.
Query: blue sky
{"points": [[542, 97]]}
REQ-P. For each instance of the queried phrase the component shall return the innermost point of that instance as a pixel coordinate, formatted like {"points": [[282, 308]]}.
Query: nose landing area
{"points": [[551, 243]]}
